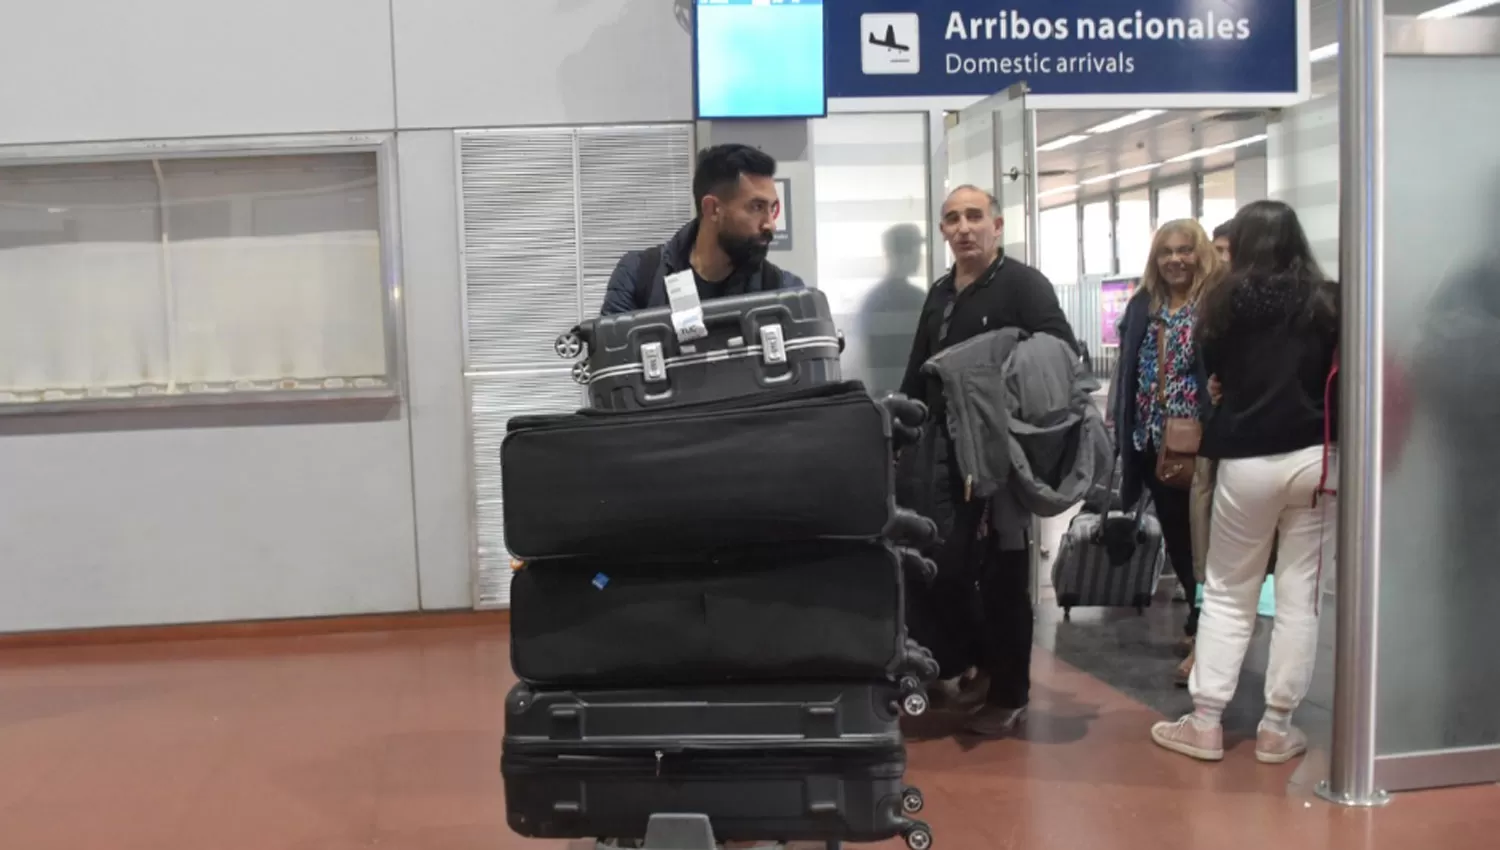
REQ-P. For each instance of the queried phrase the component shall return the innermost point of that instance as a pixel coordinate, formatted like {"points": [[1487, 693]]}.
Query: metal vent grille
{"points": [[527, 195], [520, 245], [635, 189], [493, 401]]}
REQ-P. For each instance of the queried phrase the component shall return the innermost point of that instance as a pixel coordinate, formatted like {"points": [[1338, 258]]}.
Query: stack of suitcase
{"points": [[707, 608]]}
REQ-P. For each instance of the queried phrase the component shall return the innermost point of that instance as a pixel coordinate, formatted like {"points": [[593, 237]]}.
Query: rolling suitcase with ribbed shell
{"points": [[1111, 559]]}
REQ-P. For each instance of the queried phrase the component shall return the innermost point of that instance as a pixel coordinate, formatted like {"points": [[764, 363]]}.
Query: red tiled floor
{"points": [[392, 740]]}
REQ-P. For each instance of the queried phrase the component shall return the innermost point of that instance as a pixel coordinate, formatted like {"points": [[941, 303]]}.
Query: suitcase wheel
{"points": [[913, 696], [911, 801], [1067, 614], [568, 346], [919, 836], [581, 372]]}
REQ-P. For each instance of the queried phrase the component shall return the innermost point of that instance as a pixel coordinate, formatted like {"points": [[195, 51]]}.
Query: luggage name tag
{"points": [[687, 310]]}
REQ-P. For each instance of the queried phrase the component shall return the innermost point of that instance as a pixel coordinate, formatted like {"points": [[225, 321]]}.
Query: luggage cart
{"points": [[695, 832]]}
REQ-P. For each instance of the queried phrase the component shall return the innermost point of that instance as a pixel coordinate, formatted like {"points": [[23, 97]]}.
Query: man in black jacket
{"points": [[984, 291], [724, 248]]}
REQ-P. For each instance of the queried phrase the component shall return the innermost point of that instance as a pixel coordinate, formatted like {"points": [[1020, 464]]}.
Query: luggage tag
{"points": [[687, 310]]}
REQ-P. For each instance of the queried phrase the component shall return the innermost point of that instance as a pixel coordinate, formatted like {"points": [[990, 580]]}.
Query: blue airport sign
{"points": [[1244, 50]]}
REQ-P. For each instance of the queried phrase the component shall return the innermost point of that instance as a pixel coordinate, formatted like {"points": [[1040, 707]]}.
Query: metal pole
{"points": [[1033, 258], [1028, 185], [937, 191], [1351, 779]]}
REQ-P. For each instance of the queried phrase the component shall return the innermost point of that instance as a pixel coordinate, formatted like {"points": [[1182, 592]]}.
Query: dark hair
{"points": [[1222, 231], [1269, 249], [970, 187], [719, 169]]}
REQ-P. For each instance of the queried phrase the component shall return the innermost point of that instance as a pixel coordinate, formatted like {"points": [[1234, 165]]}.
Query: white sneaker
{"points": [[1272, 747], [1187, 737]]}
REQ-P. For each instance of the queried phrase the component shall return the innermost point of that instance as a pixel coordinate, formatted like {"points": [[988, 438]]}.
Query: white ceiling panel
{"points": [[1178, 132]]}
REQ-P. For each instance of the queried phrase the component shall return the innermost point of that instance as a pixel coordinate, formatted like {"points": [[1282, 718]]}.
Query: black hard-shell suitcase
{"points": [[784, 339], [812, 612], [812, 716], [770, 468], [789, 763]]}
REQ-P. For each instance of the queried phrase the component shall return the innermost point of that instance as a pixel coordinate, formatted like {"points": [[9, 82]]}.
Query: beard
{"points": [[745, 251]]}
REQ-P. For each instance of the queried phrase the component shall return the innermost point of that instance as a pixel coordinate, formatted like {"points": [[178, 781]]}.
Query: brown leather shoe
{"points": [[994, 721], [1184, 671], [973, 689]]}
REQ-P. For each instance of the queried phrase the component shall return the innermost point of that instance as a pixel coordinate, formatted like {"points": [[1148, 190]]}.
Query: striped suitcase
{"points": [[1112, 560]]}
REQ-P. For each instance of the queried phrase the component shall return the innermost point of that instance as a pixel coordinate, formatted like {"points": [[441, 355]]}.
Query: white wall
{"points": [[174, 517], [76, 70], [1302, 169], [1250, 175], [165, 518], [485, 63]]}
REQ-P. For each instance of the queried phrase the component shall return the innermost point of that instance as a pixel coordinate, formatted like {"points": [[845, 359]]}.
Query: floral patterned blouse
{"points": [[1182, 383]]}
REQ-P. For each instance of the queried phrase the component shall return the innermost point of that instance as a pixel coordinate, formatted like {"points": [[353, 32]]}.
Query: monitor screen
{"points": [[759, 59]]}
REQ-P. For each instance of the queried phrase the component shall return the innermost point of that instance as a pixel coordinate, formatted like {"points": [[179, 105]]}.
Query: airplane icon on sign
{"points": [[890, 43], [889, 40]]}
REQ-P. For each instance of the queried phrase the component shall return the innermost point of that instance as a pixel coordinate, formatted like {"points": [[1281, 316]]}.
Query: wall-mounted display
{"points": [[1114, 294], [783, 215], [759, 59]]}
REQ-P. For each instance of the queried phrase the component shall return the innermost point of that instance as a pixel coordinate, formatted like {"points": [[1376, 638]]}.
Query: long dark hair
{"points": [[1269, 251]]}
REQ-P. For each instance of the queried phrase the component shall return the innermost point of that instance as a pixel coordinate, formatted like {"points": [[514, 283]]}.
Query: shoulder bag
{"points": [[1177, 456]]}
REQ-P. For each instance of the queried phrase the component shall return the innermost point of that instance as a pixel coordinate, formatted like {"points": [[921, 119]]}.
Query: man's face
{"points": [[1221, 247], [971, 229], [745, 219]]}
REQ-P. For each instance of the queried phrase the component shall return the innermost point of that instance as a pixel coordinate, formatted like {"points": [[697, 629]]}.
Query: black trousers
{"points": [[1174, 510], [977, 613]]}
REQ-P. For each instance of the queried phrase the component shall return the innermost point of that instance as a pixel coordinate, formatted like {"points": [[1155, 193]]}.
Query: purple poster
{"points": [[1114, 293]]}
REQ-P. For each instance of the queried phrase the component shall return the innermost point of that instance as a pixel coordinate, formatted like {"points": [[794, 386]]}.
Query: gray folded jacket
{"points": [[1022, 420]]}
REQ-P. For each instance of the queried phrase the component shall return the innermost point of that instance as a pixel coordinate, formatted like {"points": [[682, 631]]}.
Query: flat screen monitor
{"points": [[759, 59]]}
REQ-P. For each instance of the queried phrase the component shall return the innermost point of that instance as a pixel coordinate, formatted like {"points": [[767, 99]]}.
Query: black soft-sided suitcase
{"points": [[770, 468], [812, 612], [784, 339], [791, 763]]}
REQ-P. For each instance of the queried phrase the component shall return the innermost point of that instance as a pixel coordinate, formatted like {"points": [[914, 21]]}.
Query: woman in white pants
{"points": [[1269, 336]]}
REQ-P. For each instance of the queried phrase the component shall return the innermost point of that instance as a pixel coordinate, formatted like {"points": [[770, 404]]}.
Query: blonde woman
{"points": [[1161, 379]]}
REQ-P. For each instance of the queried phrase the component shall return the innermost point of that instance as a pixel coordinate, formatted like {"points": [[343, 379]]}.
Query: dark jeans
{"points": [[1173, 509], [978, 611]]}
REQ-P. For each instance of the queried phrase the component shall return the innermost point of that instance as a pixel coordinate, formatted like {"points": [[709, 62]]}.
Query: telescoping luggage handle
{"points": [[1139, 508]]}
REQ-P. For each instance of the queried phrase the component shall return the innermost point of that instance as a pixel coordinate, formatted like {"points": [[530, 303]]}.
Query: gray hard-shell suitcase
{"points": [[1111, 559], [784, 339]]}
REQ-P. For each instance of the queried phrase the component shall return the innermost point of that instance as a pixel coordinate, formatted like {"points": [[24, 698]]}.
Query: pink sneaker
{"points": [[1272, 747], [1185, 736]]}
